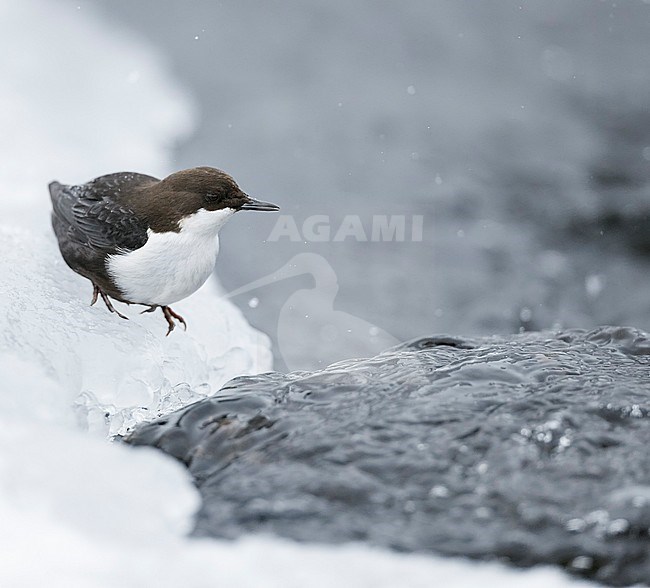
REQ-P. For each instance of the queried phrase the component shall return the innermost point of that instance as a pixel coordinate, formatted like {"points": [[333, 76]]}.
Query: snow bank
{"points": [[115, 372], [79, 99]]}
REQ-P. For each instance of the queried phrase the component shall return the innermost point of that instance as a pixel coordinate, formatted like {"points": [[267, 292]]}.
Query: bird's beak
{"points": [[252, 204]]}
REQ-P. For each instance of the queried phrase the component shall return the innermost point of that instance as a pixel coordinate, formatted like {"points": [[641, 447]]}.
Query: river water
{"points": [[530, 449]]}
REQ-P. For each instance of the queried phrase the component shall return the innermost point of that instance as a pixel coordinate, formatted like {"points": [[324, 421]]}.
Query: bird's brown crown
{"points": [[165, 203]]}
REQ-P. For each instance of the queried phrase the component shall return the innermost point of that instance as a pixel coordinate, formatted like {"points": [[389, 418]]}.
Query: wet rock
{"points": [[529, 448]]}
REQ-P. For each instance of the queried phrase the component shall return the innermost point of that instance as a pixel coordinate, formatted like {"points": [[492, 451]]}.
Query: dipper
{"points": [[141, 240]]}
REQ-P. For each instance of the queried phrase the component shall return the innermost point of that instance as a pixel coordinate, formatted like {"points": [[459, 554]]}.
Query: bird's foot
{"points": [[170, 315], [107, 301], [151, 308]]}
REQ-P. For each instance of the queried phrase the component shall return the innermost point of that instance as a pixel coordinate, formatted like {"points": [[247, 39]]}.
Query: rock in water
{"points": [[530, 448]]}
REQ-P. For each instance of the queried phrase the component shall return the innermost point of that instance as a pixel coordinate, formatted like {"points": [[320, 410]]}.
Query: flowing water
{"points": [[529, 448]]}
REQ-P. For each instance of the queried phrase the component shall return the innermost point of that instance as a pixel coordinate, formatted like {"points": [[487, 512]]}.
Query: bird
{"points": [[142, 240]]}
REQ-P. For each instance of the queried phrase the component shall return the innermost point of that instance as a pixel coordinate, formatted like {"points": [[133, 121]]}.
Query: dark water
{"points": [[528, 448]]}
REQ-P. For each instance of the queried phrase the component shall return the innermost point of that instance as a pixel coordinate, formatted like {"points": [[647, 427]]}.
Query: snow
{"points": [[80, 98], [106, 365]]}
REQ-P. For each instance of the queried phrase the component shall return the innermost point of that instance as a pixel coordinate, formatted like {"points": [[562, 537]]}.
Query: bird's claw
{"points": [[107, 301], [170, 315]]}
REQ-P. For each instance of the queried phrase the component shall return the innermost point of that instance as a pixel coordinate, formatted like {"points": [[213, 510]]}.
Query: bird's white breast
{"points": [[170, 266]]}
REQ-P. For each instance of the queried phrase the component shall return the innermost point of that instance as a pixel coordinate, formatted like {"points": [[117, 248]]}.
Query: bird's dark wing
{"points": [[94, 214]]}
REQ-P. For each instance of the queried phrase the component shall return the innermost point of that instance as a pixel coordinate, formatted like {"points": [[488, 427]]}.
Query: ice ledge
{"points": [[116, 372]]}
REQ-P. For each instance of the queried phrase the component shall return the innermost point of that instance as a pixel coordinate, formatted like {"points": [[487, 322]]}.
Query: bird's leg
{"points": [[151, 308], [107, 302], [170, 315], [95, 294]]}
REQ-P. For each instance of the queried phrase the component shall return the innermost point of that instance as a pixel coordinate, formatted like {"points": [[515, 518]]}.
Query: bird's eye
{"points": [[211, 197]]}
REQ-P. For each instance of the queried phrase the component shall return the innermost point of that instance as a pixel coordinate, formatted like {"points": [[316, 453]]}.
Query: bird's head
{"points": [[203, 198]]}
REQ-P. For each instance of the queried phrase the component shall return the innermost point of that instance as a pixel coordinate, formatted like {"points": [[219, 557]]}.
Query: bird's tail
{"points": [[55, 189], [61, 200]]}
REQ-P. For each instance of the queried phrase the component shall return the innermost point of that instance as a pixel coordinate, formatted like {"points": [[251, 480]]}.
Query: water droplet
{"points": [[439, 491], [582, 562], [618, 526], [525, 314], [576, 525], [594, 285]]}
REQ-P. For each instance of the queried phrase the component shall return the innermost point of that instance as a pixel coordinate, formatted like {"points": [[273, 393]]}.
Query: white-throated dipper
{"points": [[142, 240]]}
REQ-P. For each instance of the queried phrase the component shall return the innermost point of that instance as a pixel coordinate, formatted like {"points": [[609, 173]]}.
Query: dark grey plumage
{"points": [[92, 221]]}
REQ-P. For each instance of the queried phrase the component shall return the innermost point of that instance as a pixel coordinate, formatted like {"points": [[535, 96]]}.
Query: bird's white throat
{"points": [[206, 221], [171, 266]]}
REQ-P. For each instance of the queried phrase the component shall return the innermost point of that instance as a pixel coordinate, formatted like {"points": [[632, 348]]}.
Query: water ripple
{"points": [[529, 448]]}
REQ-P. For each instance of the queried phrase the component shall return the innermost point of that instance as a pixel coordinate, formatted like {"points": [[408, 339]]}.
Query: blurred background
{"points": [[520, 131]]}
